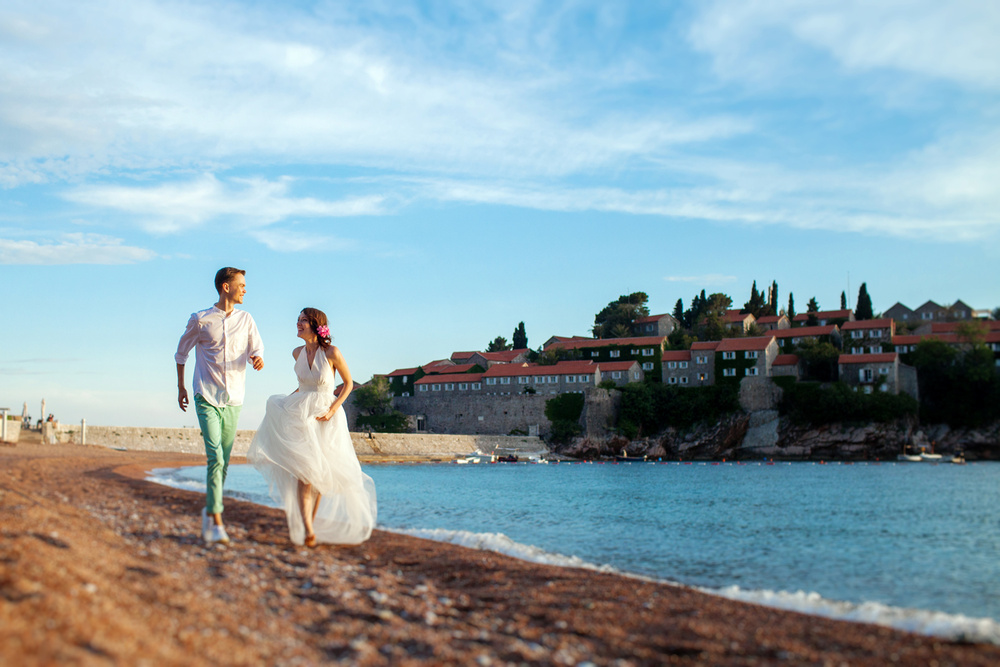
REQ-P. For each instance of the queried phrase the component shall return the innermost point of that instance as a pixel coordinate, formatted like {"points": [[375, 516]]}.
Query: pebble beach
{"points": [[100, 566]]}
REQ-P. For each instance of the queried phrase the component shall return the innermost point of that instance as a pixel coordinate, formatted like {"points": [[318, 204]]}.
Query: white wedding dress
{"points": [[291, 445]]}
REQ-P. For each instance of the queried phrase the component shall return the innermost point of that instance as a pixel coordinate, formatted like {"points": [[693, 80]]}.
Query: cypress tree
{"points": [[863, 311]]}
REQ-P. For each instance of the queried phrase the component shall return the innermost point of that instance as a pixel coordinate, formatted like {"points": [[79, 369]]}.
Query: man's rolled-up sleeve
{"points": [[188, 340]]}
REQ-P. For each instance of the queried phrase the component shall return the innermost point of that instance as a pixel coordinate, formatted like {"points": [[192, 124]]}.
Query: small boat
{"points": [[510, 458], [912, 458], [625, 458], [930, 458], [467, 459]]}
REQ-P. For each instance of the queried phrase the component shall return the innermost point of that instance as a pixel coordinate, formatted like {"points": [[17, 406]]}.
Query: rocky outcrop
{"points": [[762, 434]]}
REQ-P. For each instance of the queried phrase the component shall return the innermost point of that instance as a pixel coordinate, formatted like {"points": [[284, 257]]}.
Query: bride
{"points": [[304, 450]]}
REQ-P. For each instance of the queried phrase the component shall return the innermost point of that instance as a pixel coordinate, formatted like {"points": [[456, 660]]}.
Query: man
{"points": [[226, 339]]}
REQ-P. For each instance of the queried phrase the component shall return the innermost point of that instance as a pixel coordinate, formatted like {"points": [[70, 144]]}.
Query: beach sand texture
{"points": [[98, 566]]}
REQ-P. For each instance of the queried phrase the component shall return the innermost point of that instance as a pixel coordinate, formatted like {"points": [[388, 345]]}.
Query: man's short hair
{"points": [[224, 275]]}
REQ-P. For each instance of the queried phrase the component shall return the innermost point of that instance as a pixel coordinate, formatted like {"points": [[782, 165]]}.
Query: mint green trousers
{"points": [[218, 429]]}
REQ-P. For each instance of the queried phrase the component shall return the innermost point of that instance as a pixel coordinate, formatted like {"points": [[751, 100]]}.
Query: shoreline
{"points": [[97, 564]]}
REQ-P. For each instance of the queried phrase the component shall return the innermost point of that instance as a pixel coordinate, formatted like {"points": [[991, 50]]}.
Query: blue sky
{"points": [[432, 173]]}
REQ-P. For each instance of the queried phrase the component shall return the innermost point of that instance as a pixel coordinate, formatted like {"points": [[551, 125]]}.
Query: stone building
{"points": [[736, 358], [789, 339], [825, 317], [869, 336], [774, 322], [865, 372], [654, 325]]}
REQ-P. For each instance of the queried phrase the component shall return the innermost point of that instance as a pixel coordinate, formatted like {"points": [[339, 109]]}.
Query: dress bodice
{"points": [[318, 377]]}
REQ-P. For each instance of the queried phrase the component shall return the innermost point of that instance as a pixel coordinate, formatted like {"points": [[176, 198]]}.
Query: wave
{"points": [[955, 627]]}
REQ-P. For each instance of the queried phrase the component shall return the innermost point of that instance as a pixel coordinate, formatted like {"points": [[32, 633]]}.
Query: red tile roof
{"points": [[583, 343], [505, 356], [402, 371], [705, 345], [826, 315], [801, 332], [914, 339], [731, 316], [881, 358], [457, 368], [947, 327], [438, 362], [608, 366], [785, 360], [450, 377], [562, 368], [459, 356], [770, 319], [753, 343], [884, 323], [674, 355], [652, 318]]}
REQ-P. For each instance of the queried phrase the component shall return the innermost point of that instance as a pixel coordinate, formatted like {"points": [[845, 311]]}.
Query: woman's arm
{"points": [[336, 360]]}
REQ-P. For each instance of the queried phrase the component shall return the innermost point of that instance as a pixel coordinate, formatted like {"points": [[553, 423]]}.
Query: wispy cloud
{"points": [[285, 240], [72, 249], [257, 202]]}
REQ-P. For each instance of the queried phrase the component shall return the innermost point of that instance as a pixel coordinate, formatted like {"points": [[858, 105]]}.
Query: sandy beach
{"points": [[98, 566]]}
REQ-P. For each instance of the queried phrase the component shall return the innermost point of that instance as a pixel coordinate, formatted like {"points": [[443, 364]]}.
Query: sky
{"points": [[432, 173]]}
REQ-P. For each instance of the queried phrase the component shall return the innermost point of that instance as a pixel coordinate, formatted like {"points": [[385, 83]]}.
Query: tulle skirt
{"points": [[291, 445]]}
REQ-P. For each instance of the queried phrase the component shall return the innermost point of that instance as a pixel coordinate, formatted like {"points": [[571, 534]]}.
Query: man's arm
{"points": [[256, 345], [182, 393]]}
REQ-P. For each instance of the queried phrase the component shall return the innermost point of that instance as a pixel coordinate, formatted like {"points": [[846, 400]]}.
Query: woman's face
{"points": [[305, 331]]}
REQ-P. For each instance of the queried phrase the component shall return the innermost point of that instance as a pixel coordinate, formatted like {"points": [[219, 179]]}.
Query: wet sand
{"points": [[98, 566]]}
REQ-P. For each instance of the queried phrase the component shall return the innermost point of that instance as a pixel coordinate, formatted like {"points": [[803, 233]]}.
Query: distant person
{"points": [[224, 339], [304, 450]]}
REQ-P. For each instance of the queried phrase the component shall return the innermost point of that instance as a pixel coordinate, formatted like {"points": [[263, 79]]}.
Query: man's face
{"points": [[236, 287]]}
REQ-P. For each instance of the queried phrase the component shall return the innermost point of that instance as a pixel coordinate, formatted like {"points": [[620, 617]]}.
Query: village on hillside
{"points": [[504, 391]]}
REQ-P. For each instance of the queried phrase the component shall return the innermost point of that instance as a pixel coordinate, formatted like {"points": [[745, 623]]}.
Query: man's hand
{"points": [[182, 398], [258, 363]]}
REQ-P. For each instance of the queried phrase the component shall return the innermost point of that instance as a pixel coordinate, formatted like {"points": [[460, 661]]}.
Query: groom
{"points": [[226, 339]]}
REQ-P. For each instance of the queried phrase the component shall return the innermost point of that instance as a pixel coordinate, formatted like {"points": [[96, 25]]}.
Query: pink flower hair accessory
{"points": [[323, 331]]}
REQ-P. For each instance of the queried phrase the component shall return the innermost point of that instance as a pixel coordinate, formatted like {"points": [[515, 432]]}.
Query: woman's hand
{"points": [[327, 416]]}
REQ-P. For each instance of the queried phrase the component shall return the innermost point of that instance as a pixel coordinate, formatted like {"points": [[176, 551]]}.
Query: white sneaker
{"points": [[217, 534], [206, 523]]}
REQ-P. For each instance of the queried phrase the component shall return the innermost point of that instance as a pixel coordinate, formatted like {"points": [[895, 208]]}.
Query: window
{"points": [[702, 377], [477, 385], [857, 350], [522, 380], [584, 378], [927, 316], [616, 375], [504, 380], [876, 333], [673, 380], [996, 347], [450, 386], [614, 354], [595, 353], [423, 387], [865, 375], [884, 387], [671, 364], [682, 364], [856, 334], [463, 386], [636, 375], [750, 371], [728, 355], [649, 327], [648, 366], [875, 349], [684, 379], [868, 389], [647, 351], [795, 341], [553, 379], [701, 360], [490, 381], [729, 372], [436, 387], [750, 354], [570, 378], [405, 379], [883, 371]]}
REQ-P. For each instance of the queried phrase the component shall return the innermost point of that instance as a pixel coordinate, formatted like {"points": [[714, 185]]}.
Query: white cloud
{"points": [[954, 41], [72, 249], [256, 202], [284, 240]]}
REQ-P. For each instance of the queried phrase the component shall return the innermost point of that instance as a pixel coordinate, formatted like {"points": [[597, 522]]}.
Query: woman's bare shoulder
{"points": [[297, 351]]}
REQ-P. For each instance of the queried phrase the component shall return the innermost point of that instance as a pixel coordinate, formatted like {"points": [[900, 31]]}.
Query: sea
{"points": [[914, 546]]}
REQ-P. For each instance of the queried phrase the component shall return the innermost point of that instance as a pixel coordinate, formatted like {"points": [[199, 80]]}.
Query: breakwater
{"points": [[188, 441]]}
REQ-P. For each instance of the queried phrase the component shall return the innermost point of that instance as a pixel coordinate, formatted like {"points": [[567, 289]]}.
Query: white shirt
{"points": [[224, 345]]}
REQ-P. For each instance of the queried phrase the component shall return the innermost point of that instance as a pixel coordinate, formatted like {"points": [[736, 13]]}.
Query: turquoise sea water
{"points": [[911, 545]]}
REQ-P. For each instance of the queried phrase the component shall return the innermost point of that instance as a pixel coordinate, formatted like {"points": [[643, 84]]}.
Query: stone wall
{"points": [[478, 414], [600, 412], [189, 441]]}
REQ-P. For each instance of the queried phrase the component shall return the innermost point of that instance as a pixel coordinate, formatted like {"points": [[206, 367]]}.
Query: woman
{"points": [[304, 450]]}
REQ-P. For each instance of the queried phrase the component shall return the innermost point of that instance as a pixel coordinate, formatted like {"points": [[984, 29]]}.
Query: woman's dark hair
{"points": [[317, 319]]}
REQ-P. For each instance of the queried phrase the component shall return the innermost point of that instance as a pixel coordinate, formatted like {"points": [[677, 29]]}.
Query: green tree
{"points": [[863, 309], [790, 311], [755, 306], [498, 344], [772, 299], [373, 397], [843, 300], [679, 311], [811, 309], [520, 339], [564, 412], [714, 325], [819, 360], [619, 315]]}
